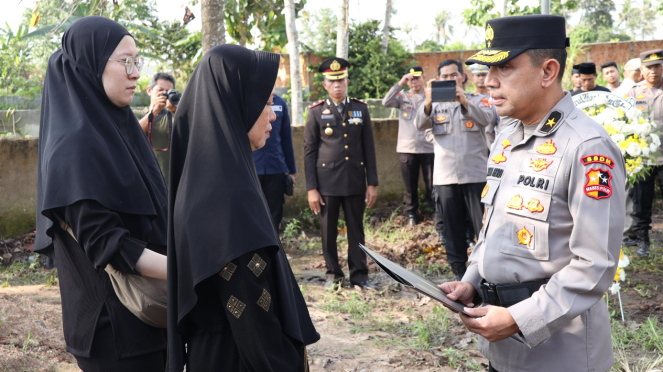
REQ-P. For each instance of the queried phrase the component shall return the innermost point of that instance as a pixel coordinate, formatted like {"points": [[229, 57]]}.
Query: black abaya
{"points": [[218, 211]]}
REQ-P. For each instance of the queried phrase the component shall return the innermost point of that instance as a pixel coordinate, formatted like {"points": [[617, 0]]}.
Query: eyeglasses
{"points": [[129, 64]]}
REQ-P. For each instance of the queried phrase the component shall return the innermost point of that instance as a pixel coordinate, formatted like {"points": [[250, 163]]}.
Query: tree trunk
{"points": [[293, 51], [385, 30], [343, 30], [503, 7], [214, 29]]}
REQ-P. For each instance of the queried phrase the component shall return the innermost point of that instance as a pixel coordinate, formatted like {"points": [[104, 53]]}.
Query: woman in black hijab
{"points": [[101, 198], [232, 297]]}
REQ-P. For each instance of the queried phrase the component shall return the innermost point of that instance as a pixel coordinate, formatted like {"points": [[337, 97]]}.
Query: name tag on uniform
{"points": [[327, 116], [277, 108]]}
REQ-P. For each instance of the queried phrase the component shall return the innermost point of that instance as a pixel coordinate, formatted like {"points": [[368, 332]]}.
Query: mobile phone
{"points": [[443, 91]]}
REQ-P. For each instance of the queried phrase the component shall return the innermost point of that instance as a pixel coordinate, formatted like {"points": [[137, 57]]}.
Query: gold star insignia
{"points": [[551, 122]]}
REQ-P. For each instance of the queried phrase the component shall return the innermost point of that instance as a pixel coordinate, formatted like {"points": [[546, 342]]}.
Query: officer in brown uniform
{"points": [[414, 151], [550, 241], [339, 160], [648, 98], [482, 95]]}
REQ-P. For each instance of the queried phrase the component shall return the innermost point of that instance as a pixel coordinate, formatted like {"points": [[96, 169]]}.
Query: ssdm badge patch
{"points": [[598, 184]]}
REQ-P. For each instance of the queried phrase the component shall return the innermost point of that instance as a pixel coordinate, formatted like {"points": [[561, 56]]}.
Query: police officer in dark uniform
{"points": [[339, 160]]}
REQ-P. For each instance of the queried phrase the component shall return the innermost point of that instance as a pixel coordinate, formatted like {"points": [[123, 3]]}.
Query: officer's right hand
{"points": [[459, 291], [315, 200], [159, 105], [405, 80]]}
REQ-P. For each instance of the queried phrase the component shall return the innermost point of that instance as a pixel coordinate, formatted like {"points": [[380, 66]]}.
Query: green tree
{"points": [[319, 31], [482, 10], [443, 28], [429, 46]]}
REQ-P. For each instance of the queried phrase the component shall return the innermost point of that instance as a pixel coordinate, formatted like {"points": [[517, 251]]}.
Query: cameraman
{"points": [[158, 123]]}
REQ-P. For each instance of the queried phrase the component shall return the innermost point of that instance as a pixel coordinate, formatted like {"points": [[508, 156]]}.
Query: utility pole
{"points": [[293, 49], [545, 6]]}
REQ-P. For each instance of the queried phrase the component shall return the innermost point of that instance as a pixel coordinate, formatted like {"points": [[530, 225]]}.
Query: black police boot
{"points": [[366, 285], [630, 241], [411, 220], [643, 243], [458, 268]]}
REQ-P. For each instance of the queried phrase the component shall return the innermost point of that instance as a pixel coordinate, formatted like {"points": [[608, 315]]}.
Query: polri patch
{"points": [[277, 108], [598, 184], [551, 122], [600, 159]]}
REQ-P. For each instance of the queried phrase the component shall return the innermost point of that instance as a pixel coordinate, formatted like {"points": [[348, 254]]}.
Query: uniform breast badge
{"points": [[329, 131], [516, 202], [440, 118], [534, 206], [640, 96], [547, 148], [539, 164], [506, 143], [525, 237], [485, 102], [598, 184], [469, 124], [499, 158]]}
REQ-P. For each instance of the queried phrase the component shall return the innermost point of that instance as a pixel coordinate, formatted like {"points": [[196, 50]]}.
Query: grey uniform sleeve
{"points": [[423, 121], [479, 113], [595, 242], [392, 99]]}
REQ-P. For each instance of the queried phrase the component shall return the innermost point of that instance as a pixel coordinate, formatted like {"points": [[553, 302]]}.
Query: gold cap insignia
{"points": [[329, 131], [653, 56], [335, 66], [490, 56], [412, 71], [490, 35]]}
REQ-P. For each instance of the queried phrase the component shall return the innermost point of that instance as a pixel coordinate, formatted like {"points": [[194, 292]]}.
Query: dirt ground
{"points": [[393, 329]]}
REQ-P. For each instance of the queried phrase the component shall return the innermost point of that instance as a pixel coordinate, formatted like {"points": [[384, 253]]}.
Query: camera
{"points": [[173, 96], [443, 91]]}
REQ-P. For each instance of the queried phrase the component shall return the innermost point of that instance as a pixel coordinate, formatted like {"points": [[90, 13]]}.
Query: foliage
{"points": [[482, 10], [267, 16], [443, 27], [431, 46], [372, 73], [17, 74], [319, 31]]}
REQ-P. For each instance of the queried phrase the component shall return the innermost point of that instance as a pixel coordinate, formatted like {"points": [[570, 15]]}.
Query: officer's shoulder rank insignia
{"points": [[499, 158], [409, 94], [600, 159], [552, 120], [598, 184], [547, 148], [316, 104]]}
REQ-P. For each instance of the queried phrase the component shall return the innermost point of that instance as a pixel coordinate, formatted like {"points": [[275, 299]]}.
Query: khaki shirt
{"points": [[484, 99], [459, 140], [410, 140], [552, 211], [649, 100]]}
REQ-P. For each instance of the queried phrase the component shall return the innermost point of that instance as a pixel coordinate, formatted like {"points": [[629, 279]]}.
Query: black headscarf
{"points": [[88, 147], [217, 208]]}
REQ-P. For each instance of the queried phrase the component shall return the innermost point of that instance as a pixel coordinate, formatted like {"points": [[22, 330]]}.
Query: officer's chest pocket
{"points": [[469, 126], [407, 111], [525, 238], [441, 123], [642, 105]]}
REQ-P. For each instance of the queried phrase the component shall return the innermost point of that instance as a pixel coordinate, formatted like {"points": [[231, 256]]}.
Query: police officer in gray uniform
{"points": [[414, 151], [482, 95], [551, 236], [648, 98], [459, 175], [339, 160]]}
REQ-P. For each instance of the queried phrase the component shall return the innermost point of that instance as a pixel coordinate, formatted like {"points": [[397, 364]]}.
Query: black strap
{"points": [[506, 295]]}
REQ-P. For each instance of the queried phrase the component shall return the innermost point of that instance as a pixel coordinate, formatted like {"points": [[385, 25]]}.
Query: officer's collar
{"points": [[330, 101], [554, 119]]}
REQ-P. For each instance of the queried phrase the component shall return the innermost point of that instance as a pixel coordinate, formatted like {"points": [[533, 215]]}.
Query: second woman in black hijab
{"points": [[99, 181], [233, 299]]}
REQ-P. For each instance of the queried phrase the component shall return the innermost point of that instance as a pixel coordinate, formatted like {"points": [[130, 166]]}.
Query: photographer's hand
{"points": [[159, 104]]}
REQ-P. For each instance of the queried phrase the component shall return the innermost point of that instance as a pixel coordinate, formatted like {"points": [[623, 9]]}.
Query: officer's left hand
{"points": [[495, 322], [460, 96], [292, 175], [371, 196]]}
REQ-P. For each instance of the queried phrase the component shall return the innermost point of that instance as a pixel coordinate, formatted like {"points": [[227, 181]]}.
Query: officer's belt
{"points": [[505, 295]]}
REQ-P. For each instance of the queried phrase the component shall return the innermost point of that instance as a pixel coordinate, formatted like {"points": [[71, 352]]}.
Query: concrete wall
{"points": [[18, 186], [18, 176]]}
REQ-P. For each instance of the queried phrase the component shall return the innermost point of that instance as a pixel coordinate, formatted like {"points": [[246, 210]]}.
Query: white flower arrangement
{"points": [[632, 132]]}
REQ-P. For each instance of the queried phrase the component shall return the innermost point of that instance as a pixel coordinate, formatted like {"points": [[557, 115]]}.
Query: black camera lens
{"points": [[173, 96]]}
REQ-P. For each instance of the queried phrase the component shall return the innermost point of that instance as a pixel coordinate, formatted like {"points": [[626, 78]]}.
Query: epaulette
{"points": [[358, 100], [316, 104]]}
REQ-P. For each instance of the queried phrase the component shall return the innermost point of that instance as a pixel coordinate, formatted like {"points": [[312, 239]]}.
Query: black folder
{"points": [[414, 281]]}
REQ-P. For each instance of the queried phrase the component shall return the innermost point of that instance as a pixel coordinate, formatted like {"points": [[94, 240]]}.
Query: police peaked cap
{"points": [[508, 37], [334, 68], [479, 69], [416, 71], [651, 57]]}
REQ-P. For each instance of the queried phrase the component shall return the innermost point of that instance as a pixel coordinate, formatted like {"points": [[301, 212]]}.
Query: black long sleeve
{"points": [[102, 235]]}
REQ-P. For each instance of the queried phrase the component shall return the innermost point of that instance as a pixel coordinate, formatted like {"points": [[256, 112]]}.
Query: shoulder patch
{"points": [[316, 104], [551, 122], [600, 159], [598, 184], [358, 100], [485, 102]]}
